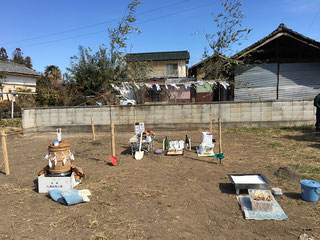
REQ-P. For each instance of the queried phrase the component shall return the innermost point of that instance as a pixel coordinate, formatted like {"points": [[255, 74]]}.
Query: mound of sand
{"points": [[286, 173]]}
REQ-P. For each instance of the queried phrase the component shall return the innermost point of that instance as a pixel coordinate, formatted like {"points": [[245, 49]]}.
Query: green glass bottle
{"points": [[186, 142], [166, 143]]}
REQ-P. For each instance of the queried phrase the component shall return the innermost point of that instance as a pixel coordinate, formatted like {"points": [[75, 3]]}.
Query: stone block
{"points": [[309, 108], [141, 118], [235, 105], [54, 110], [204, 118], [256, 105], [245, 110], [297, 103], [235, 117], [297, 109], [196, 118], [53, 116], [177, 120], [205, 107], [266, 116], [256, 118], [297, 116], [123, 120], [276, 106], [286, 106], [276, 113], [245, 117], [266, 109], [286, 115], [87, 112], [245, 105], [226, 116], [256, 109], [225, 111], [70, 112], [308, 115], [235, 110], [266, 104], [308, 103], [40, 111], [276, 116], [79, 113], [96, 115], [256, 114], [83, 121]]}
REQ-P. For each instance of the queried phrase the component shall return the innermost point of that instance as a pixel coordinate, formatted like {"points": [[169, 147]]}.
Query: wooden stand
{"points": [[93, 132], [113, 144], [5, 152]]}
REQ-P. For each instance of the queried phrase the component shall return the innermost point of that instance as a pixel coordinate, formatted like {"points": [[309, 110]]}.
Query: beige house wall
{"points": [[13, 82], [10, 87], [159, 69]]}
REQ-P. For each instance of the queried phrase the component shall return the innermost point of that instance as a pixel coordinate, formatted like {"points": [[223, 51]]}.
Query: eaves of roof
{"points": [[282, 30], [205, 60], [158, 56], [17, 69]]}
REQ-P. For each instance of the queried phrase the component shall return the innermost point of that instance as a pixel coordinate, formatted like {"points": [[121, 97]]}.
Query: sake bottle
{"points": [[186, 142], [166, 144]]}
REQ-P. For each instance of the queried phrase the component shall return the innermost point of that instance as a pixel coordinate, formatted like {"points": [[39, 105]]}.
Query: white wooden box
{"points": [[63, 183]]}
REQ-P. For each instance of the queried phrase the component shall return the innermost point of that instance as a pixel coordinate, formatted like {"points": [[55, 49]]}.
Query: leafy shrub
{"points": [[17, 122]]}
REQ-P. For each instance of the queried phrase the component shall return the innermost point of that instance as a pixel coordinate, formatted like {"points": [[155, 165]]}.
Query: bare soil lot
{"points": [[160, 197]]}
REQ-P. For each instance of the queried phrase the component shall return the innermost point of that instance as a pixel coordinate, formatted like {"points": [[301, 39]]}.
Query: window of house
{"points": [[172, 70]]}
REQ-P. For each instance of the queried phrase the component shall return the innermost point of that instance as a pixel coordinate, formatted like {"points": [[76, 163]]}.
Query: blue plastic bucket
{"points": [[310, 190]]}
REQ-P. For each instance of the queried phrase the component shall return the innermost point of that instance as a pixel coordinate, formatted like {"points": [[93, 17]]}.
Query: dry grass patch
{"points": [[297, 147]]}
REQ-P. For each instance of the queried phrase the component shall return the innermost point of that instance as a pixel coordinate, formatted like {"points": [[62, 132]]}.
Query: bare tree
{"points": [[229, 33]]}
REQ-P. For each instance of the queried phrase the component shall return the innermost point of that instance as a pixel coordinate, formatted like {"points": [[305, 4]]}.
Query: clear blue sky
{"points": [[51, 31]]}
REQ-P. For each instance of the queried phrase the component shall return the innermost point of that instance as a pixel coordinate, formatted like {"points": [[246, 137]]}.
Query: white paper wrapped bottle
{"points": [[206, 147]]}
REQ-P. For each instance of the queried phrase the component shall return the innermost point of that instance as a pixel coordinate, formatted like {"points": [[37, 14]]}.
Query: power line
{"points": [[90, 26], [58, 40], [315, 16], [93, 33]]}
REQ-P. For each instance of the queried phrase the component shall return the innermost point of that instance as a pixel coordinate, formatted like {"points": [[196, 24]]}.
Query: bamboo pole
{"points": [[220, 138], [113, 144], [211, 130], [5, 152], [93, 131]]}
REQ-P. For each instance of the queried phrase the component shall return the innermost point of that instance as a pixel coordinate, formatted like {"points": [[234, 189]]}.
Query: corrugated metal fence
{"points": [[259, 82]]}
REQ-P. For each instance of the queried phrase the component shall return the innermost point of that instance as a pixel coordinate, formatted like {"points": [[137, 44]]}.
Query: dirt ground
{"points": [[159, 197]]}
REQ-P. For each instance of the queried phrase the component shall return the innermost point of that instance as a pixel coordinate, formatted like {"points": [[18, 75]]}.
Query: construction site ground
{"points": [[161, 197]]}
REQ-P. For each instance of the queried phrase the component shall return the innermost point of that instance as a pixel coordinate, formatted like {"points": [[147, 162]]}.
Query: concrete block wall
{"points": [[170, 116]]}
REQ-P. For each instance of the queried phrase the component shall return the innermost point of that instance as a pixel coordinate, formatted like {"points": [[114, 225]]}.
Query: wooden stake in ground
{"points": [[93, 132], [113, 143], [211, 121], [220, 138], [5, 152]]}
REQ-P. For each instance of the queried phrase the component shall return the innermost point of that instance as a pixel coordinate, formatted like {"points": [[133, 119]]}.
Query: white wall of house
{"points": [[19, 80], [13, 82]]}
